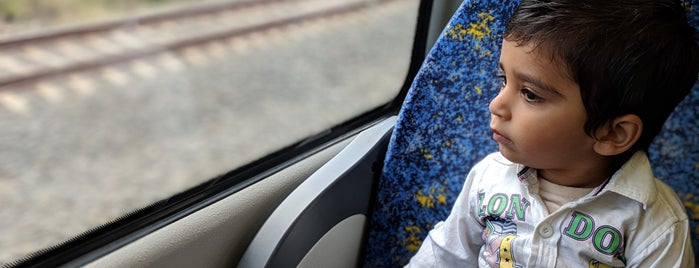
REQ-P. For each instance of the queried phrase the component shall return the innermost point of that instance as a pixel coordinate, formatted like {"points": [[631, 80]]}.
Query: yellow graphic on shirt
{"points": [[506, 260], [499, 237]]}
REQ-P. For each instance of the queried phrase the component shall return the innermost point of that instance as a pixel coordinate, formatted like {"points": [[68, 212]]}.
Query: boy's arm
{"points": [[456, 241], [449, 244]]}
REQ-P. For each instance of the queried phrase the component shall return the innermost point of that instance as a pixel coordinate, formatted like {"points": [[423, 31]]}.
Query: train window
{"points": [[108, 106]]}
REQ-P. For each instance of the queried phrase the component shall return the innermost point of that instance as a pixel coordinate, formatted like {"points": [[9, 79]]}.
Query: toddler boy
{"points": [[586, 86]]}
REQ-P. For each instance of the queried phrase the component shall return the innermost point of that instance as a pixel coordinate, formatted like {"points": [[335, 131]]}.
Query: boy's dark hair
{"points": [[628, 56]]}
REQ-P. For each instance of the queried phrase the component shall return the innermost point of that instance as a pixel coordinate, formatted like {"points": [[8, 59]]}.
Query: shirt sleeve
{"points": [[456, 241]]}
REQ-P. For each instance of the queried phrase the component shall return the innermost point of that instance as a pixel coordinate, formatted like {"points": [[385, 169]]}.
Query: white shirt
{"points": [[499, 220]]}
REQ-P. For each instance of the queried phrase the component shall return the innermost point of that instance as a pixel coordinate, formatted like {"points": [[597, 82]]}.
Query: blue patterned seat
{"points": [[443, 130]]}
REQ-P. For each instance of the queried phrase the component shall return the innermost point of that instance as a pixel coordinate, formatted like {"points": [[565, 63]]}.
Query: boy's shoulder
{"points": [[660, 214], [667, 197]]}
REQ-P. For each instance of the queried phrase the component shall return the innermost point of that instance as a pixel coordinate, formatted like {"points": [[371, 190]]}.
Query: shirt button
{"points": [[546, 231]]}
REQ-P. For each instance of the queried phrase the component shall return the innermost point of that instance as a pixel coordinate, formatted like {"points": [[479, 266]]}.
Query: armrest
{"points": [[321, 223]]}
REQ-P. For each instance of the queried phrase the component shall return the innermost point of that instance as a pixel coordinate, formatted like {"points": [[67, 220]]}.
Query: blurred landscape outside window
{"points": [[98, 124]]}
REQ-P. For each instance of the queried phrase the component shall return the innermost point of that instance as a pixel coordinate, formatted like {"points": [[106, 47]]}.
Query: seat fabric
{"points": [[443, 130]]}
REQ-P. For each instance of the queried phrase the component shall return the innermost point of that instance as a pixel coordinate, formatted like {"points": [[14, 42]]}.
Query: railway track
{"points": [[27, 60]]}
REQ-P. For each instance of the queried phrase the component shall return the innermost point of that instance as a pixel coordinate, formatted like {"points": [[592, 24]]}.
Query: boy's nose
{"points": [[499, 107]]}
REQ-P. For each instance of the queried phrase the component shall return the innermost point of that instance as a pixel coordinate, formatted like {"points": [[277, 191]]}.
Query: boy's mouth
{"points": [[499, 137]]}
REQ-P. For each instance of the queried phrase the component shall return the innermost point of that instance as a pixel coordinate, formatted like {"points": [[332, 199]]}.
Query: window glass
{"points": [[108, 106]]}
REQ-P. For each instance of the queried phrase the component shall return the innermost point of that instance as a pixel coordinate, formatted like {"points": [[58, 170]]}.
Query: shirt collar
{"points": [[634, 180]]}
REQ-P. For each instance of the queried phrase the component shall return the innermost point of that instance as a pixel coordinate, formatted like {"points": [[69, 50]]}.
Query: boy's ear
{"points": [[618, 136]]}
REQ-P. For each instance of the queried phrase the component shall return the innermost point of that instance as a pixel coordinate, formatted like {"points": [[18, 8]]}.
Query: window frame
{"points": [[109, 237]]}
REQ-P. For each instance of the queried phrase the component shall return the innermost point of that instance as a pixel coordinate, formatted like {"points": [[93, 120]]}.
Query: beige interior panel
{"points": [[217, 236]]}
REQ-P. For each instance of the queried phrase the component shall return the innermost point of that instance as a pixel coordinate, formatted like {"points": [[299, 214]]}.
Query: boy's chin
{"points": [[511, 156]]}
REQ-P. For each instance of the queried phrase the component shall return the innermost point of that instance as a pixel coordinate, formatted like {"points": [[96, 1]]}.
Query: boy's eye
{"points": [[530, 96], [503, 80]]}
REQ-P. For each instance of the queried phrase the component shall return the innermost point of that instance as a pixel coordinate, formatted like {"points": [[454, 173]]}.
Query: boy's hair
{"points": [[628, 56]]}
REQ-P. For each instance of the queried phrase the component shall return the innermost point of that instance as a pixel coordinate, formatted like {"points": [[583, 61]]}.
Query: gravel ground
{"points": [[88, 148]]}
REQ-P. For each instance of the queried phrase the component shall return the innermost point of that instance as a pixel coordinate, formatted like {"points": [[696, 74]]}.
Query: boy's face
{"points": [[537, 118]]}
